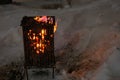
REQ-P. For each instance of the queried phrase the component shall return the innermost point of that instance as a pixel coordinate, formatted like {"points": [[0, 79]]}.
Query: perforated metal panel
{"points": [[38, 37]]}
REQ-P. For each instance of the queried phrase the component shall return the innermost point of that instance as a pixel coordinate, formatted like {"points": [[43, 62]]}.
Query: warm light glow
{"points": [[39, 42], [37, 52], [41, 19], [45, 19], [37, 45], [37, 39], [55, 27], [30, 31], [43, 31], [33, 37]]}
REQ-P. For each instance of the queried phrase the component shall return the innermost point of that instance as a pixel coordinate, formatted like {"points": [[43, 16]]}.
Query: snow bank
{"points": [[84, 40]]}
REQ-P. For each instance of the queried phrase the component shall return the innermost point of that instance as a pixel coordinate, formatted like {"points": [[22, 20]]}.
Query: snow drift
{"points": [[86, 42]]}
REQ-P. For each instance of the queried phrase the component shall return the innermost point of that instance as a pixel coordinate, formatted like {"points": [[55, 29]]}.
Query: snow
{"points": [[90, 30]]}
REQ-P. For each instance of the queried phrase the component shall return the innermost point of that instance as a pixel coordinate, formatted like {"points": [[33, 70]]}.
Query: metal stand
{"points": [[53, 76], [26, 72]]}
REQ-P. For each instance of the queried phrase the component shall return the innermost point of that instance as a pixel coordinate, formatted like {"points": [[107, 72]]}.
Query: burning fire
{"points": [[41, 19], [55, 27], [38, 40], [46, 19]]}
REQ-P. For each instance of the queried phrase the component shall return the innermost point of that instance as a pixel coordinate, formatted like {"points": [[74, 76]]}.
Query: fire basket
{"points": [[38, 37]]}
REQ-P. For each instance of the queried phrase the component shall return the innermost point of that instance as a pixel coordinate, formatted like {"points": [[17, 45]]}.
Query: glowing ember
{"points": [[55, 27], [43, 34], [34, 37], [46, 19], [37, 52], [38, 36], [41, 19], [38, 39], [38, 43]]}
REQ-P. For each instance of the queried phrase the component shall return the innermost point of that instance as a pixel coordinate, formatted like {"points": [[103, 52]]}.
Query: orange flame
{"points": [[55, 27], [43, 34], [41, 19], [39, 39], [38, 43], [45, 19]]}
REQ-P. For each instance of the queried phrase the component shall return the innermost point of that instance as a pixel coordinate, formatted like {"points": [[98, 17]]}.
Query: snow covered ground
{"points": [[87, 41]]}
